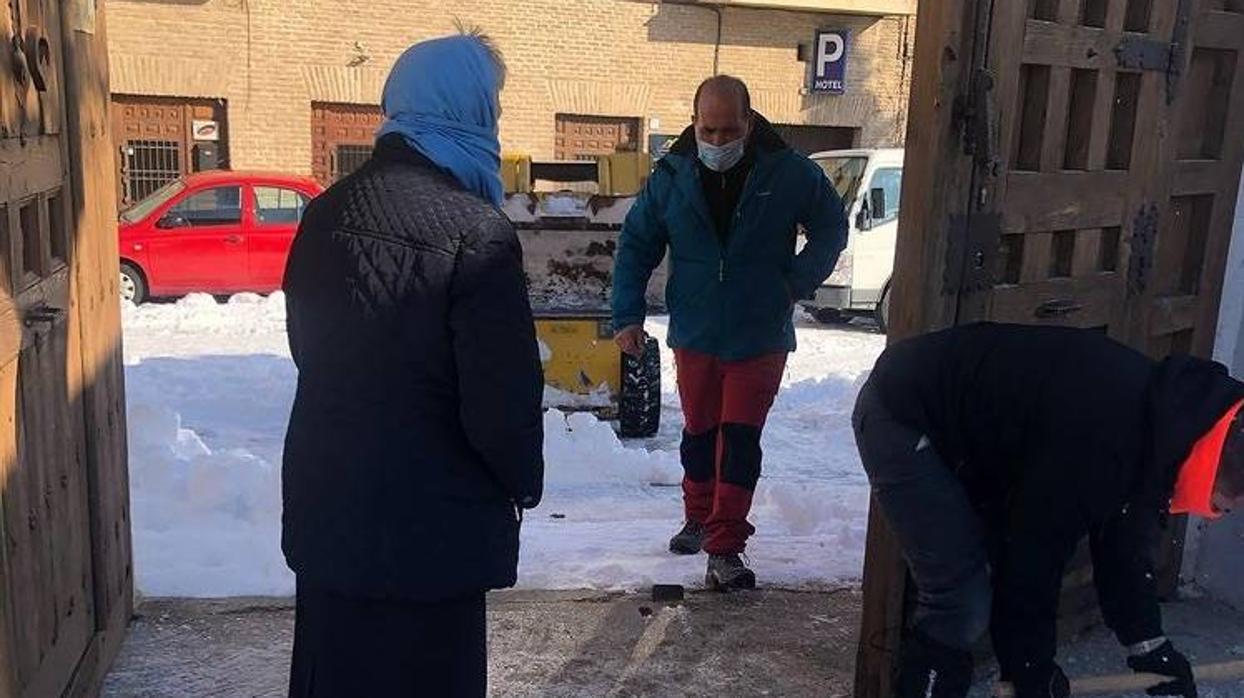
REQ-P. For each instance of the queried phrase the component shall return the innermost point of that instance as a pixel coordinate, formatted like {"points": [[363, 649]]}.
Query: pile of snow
{"points": [[210, 387]]}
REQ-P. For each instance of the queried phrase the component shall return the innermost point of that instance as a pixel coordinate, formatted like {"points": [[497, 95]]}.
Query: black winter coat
{"points": [[1058, 433], [416, 434]]}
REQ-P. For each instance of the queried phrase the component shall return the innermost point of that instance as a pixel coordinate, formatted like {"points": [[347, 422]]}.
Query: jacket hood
{"points": [[764, 138], [1186, 398]]}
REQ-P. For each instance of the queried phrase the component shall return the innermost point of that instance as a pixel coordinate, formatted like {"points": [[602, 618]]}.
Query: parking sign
{"points": [[829, 66]]}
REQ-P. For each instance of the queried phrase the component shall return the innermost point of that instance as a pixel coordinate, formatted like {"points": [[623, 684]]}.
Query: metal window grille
{"points": [[348, 158], [149, 165]]}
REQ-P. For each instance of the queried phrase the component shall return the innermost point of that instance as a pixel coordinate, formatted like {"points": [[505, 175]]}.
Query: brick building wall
{"points": [[269, 59]]}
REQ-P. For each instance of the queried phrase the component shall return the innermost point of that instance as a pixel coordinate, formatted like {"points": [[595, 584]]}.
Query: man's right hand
{"points": [[631, 340]]}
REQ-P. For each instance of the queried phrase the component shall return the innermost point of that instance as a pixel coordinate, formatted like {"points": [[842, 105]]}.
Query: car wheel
{"points": [[883, 309], [133, 286]]}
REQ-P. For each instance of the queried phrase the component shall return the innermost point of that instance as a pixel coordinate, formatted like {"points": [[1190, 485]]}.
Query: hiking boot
{"points": [[689, 540], [727, 573]]}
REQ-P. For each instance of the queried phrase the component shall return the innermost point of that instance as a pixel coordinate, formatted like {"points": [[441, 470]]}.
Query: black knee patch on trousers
{"points": [[740, 464], [699, 455]]}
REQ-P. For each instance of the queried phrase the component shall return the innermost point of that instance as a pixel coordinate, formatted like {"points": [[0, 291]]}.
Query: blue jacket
{"points": [[733, 302]]}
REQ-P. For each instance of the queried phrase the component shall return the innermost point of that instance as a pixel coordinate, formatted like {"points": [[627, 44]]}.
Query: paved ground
{"points": [[767, 643], [777, 643]]}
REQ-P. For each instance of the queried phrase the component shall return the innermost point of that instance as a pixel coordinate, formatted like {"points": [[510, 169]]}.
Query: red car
{"points": [[212, 232]]}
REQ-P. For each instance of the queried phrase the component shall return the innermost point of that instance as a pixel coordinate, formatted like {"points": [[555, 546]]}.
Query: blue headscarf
{"points": [[441, 96]]}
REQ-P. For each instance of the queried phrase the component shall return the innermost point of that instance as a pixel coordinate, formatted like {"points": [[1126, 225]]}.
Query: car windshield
{"points": [[143, 208], [845, 173]]}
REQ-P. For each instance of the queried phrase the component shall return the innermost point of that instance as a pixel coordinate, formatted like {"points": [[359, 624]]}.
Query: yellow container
{"points": [[582, 365], [622, 174]]}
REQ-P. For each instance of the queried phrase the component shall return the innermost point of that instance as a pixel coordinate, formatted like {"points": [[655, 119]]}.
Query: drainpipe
{"points": [[715, 9]]}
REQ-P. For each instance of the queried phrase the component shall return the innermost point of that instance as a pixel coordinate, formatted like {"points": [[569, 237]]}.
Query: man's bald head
{"points": [[723, 110]]}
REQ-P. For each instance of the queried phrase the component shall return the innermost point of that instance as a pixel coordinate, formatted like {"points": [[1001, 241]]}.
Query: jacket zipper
{"points": [[738, 214]]}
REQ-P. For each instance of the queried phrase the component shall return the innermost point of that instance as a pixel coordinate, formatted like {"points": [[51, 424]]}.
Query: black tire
{"points": [[133, 284], [830, 316], [639, 406], [882, 313]]}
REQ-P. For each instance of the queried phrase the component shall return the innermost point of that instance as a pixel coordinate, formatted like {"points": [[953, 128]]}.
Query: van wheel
{"points": [[639, 405], [133, 287], [830, 316], [883, 309]]}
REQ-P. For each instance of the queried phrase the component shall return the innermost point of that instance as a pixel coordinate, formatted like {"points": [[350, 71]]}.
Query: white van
{"points": [[870, 182]]}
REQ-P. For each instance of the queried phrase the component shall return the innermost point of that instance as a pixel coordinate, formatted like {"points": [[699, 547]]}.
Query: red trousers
{"points": [[724, 404]]}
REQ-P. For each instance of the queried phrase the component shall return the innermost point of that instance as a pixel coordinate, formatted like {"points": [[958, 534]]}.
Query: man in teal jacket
{"points": [[727, 203]]}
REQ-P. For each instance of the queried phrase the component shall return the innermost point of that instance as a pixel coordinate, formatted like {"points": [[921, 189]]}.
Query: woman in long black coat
{"points": [[415, 440]]}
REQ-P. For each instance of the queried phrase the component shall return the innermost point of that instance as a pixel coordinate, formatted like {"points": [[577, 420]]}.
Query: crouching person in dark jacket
{"points": [[415, 439], [994, 449]]}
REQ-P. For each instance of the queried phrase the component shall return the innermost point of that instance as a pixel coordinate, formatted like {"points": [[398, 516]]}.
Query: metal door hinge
{"points": [[1144, 236], [971, 253], [42, 315], [977, 121], [1138, 52]]}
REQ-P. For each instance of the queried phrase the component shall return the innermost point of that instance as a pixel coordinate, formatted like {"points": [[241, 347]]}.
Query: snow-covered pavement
{"points": [[209, 389]]}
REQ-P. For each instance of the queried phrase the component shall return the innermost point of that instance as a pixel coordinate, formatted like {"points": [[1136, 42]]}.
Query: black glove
{"points": [[1048, 682], [1166, 661]]}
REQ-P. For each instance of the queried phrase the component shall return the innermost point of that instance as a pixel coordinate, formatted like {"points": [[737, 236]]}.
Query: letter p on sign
{"points": [[830, 62]]}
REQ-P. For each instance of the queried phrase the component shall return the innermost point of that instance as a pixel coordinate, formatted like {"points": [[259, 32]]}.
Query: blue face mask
{"points": [[720, 158]]}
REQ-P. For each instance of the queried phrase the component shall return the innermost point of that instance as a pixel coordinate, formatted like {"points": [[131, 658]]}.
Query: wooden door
{"points": [[50, 579], [157, 141], [1069, 162]]}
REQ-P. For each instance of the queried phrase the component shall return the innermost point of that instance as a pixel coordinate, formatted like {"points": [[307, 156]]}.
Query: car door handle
{"points": [[233, 239]]}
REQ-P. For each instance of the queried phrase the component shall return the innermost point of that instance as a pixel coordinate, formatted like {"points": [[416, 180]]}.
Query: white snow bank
{"points": [[210, 387]]}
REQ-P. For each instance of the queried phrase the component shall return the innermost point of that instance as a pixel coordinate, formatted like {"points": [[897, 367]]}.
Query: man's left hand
{"points": [[1166, 661]]}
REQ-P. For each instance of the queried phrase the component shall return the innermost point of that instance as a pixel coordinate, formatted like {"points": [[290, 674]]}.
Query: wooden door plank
{"points": [[1200, 177], [97, 323], [1036, 266], [935, 176], [9, 526], [1115, 12], [1099, 139], [1088, 253], [54, 463], [1067, 11], [1218, 30], [1054, 142], [1087, 303], [1173, 314], [1070, 47], [1058, 201]]}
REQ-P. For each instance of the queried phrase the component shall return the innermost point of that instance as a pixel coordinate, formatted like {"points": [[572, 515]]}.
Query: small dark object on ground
{"points": [[645, 611], [664, 593], [557, 516]]}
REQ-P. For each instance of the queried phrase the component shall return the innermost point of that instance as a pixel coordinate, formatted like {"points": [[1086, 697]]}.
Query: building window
{"points": [[217, 206], [342, 136], [276, 206], [149, 165], [585, 137], [348, 158]]}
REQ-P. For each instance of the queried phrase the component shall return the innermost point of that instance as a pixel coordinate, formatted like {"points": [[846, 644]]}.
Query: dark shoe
{"points": [[1047, 681], [930, 669], [689, 540], [728, 573]]}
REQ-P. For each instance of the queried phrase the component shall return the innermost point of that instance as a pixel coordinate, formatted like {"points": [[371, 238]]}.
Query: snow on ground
{"points": [[210, 387]]}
